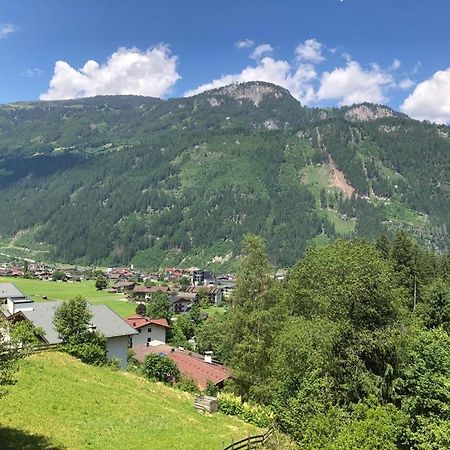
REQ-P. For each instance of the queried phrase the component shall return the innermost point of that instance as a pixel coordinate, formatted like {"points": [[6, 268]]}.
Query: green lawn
{"points": [[36, 289], [60, 403]]}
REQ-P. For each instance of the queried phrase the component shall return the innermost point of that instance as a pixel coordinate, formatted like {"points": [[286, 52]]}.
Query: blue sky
{"points": [[327, 52]]}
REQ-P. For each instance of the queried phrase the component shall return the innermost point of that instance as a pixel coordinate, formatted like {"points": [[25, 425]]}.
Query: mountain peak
{"points": [[255, 91], [368, 111]]}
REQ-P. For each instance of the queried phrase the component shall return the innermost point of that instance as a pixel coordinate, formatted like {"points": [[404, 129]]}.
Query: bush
{"points": [[187, 385], [89, 352], [232, 405], [211, 389], [161, 368]]}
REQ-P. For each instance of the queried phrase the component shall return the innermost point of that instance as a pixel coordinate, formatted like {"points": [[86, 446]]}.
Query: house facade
{"points": [[148, 330], [105, 321]]}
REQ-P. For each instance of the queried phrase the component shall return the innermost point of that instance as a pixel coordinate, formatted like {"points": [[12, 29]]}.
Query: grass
{"points": [[37, 289], [341, 225], [69, 405]]}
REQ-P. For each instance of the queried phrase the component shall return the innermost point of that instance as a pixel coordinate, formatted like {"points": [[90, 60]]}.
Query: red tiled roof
{"points": [[191, 365], [138, 321]]}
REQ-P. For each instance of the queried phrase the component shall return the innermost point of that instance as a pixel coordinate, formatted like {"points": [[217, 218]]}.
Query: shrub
{"points": [[161, 368], [232, 405], [211, 389], [187, 385]]}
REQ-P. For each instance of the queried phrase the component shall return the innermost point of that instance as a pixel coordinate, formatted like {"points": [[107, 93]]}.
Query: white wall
{"points": [[117, 347], [158, 333], [14, 307]]}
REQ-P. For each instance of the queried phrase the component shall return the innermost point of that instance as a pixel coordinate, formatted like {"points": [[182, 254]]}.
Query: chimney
{"points": [[208, 357]]}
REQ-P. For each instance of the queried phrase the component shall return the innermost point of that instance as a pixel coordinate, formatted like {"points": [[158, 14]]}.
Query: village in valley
{"points": [[135, 335]]}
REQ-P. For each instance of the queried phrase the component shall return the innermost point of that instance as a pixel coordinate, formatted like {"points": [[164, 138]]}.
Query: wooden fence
{"points": [[44, 347], [250, 442]]}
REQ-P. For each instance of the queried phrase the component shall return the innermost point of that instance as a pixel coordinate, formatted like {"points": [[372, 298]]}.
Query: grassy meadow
{"points": [[61, 403], [37, 289]]}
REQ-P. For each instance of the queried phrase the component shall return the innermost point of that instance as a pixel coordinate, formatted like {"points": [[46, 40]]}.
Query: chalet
{"points": [[192, 365], [116, 331], [182, 301], [145, 292], [227, 288], [124, 286], [149, 330], [214, 293]]}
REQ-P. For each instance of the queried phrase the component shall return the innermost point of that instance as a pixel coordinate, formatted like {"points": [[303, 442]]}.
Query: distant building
{"points": [[202, 277]]}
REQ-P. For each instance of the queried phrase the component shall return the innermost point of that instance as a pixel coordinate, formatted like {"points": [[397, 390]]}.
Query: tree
{"points": [[101, 283], [435, 306], [141, 309], [203, 298], [159, 306], [252, 321], [161, 368], [58, 276], [184, 283], [72, 320]]}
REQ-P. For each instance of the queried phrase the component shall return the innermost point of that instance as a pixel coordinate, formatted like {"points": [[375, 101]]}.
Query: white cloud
{"points": [[261, 50], [245, 43], [6, 29], [353, 84], [127, 71], [35, 72], [396, 64], [310, 51], [406, 84], [430, 100]]}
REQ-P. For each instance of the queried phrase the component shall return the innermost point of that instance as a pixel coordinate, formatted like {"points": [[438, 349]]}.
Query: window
{"points": [[149, 340], [139, 330], [149, 330]]}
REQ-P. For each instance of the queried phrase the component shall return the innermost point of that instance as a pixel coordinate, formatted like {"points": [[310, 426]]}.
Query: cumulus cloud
{"points": [[430, 99], [245, 43], [6, 29], [310, 51], [127, 71], [261, 50], [354, 84]]}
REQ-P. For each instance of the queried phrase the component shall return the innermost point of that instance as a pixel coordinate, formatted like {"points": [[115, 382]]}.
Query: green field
{"points": [[37, 289], [61, 403]]}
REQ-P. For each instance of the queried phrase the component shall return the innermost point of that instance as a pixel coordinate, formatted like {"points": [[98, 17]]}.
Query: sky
{"points": [[326, 52]]}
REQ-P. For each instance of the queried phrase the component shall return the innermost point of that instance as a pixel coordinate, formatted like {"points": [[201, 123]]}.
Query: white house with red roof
{"points": [[148, 330]]}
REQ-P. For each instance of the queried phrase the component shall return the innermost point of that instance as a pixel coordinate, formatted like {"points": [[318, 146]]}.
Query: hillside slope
{"points": [[69, 405], [125, 179]]}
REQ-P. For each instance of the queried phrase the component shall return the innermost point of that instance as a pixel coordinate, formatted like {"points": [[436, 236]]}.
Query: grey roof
{"points": [[104, 319], [9, 290]]}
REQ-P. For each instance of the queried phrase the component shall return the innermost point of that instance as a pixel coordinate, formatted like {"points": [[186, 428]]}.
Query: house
{"points": [[202, 277], [145, 292], [149, 330], [192, 365], [116, 331], [124, 286], [214, 293], [227, 289], [182, 301]]}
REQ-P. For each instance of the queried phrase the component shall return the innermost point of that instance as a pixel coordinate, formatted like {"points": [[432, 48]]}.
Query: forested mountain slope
{"points": [[121, 179]]}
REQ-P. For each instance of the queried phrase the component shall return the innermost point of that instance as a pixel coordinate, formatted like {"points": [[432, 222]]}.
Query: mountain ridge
{"points": [[154, 181]]}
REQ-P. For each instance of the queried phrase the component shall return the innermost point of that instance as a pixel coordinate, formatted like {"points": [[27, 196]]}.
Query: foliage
{"points": [[159, 306], [211, 389], [101, 283], [72, 320], [187, 385], [161, 368], [58, 276], [141, 309], [232, 405]]}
